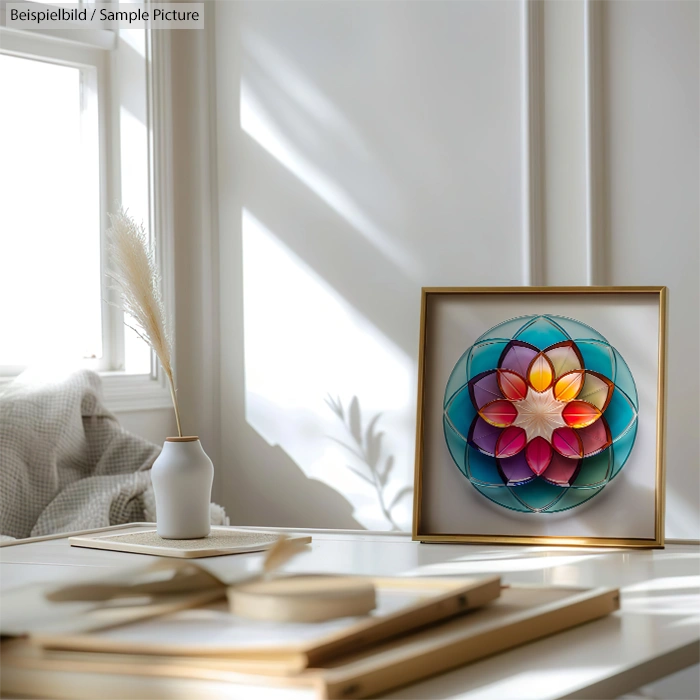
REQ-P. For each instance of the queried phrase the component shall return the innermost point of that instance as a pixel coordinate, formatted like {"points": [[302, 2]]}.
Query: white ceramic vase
{"points": [[182, 477]]}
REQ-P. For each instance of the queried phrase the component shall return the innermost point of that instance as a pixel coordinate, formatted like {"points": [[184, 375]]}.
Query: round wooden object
{"points": [[303, 598]]}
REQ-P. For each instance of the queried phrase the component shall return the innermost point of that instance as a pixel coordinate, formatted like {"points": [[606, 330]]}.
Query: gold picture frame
{"points": [[426, 527]]}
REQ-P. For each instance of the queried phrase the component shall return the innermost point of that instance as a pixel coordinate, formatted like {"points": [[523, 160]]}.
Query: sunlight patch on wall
{"points": [[260, 125], [303, 342], [293, 82]]}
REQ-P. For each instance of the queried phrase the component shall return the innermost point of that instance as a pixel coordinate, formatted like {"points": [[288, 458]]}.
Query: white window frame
{"points": [[97, 50]]}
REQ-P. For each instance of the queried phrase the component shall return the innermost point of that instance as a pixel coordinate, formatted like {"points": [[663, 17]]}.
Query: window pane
{"points": [[50, 284]]}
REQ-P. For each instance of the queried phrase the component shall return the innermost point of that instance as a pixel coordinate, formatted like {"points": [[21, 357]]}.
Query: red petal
{"points": [[512, 385], [561, 470], [538, 454], [567, 443], [595, 437], [499, 413], [579, 414], [511, 441]]}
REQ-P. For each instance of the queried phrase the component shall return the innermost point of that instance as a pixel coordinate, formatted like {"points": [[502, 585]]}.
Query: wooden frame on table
{"points": [[522, 614], [630, 317], [417, 603]]}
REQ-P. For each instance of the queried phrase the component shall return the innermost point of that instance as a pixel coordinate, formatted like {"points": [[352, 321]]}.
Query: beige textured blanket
{"points": [[65, 462]]}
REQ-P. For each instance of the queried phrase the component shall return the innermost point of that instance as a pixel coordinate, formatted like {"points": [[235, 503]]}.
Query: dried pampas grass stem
{"points": [[281, 552], [135, 276]]}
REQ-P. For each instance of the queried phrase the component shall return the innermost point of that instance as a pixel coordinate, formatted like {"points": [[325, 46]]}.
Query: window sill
{"points": [[128, 392], [134, 392]]}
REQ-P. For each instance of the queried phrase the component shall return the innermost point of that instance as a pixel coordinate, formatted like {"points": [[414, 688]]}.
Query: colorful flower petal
{"points": [[515, 470], [512, 385], [568, 386], [483, 436], [567, 443], [511, 441], [561, 470], [595, 437], [565, 357], [538, 454], [597, 390], [499, 413], [579, 414], [484, 388], [540, 374], [517, 356]]}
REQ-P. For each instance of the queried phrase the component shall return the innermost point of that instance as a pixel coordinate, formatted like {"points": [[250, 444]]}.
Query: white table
{"points": [[656, 632]]}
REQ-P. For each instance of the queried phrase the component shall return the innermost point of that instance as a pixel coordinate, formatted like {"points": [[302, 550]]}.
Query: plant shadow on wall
{"points": [[367, 449], [319, 210]]}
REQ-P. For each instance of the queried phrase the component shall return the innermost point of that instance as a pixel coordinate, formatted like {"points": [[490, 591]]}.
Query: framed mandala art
{"points": [[540, 416]]}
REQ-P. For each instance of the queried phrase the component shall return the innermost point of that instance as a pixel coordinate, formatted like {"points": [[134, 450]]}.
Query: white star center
{"points": [[539, 414]]}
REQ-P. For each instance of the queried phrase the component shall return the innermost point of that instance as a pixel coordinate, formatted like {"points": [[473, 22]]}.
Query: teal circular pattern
{"points": [[540, 413]]}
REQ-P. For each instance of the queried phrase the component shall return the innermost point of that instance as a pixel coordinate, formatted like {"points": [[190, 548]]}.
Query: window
{"points": [[50, 214], [76, 140]]}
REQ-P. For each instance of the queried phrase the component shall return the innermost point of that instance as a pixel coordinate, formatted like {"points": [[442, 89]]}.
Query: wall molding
{"points": [[532, 140], [595, 170], [160, 144], [194, 223]]}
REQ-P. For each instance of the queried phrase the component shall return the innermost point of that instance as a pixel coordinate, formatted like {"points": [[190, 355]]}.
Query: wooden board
{"points": [[222, 541], [522, 614], [403, 605]]}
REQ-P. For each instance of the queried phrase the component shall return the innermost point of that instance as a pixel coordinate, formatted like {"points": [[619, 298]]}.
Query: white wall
{"points": [[367, 149], [355, 178], [650, 108], [653, 151], [154, 425]]}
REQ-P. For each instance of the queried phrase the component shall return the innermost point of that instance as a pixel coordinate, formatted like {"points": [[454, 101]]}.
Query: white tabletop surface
{"points": [[656, 632]]}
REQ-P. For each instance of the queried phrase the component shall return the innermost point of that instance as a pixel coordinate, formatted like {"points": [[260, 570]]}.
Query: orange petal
{"points": [[579, 414], [512, 385], [499, 413], [568, 386], [540, 373]]}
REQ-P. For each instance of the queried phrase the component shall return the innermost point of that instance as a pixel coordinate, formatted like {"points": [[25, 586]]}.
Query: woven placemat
{"points": [[221, 541], [229, 539]]}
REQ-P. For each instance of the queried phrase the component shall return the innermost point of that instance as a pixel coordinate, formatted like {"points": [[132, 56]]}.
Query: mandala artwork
{"points": [[540, 414]]}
